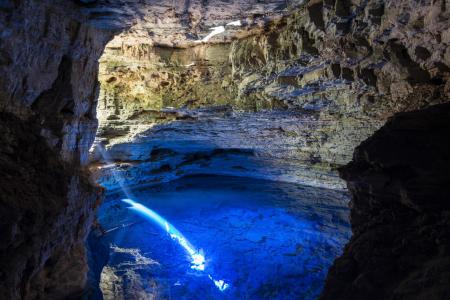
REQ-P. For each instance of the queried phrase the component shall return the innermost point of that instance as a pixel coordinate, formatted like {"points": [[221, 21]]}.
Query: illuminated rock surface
{"points": [[266, 144], [345, 66]]}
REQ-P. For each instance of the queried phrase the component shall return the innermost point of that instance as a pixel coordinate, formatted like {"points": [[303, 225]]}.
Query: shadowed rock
{"points": [[400, 215]]}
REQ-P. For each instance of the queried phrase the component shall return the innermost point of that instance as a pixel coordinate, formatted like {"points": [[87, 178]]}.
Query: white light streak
{"points": [[198, 261], [235, 23], [215, 31]]}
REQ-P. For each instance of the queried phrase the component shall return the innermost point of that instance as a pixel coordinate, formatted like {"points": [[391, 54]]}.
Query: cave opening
{"points": [[206, 191]]}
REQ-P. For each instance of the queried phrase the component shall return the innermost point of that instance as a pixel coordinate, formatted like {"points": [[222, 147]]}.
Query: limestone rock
{"points": [[400, 212], [46, 212], [48, 91]]}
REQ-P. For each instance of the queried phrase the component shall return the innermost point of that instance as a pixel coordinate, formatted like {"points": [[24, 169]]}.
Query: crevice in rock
{"points": [[58, 100], [415, 73]]}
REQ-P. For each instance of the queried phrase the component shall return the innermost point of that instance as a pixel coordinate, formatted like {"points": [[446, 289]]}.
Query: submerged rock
{"points": [[262, 238]]}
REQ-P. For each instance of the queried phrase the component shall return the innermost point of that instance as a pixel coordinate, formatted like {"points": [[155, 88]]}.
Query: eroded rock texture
{"points": [[351, 64], [347, 66], [182, 23], [400, 215], [46, 212], [48, 90]]}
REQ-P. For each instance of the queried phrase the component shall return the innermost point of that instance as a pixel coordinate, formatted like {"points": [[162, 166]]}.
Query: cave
{"points": [[275, 149]]}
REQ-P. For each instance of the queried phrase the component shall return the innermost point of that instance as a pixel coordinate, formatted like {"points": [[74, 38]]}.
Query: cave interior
{"points": [[225, 149]]}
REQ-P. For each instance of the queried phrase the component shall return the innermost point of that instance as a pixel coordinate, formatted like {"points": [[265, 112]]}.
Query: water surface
{"points": [[267, 240]]}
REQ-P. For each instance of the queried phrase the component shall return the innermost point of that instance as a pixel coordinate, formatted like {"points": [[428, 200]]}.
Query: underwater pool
{"points": [[260, 240]]}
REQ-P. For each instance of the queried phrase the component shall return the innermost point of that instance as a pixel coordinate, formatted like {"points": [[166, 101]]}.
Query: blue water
{"points": [[267, 240]]}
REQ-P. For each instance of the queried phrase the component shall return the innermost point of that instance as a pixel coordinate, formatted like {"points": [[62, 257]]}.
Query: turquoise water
{"points": [[265, 240]]}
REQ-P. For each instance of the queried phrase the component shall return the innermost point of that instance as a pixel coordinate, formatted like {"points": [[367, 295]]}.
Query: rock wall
{"points": [[48, 90], [146, 78], [352, 64], [400, 248], [347, 66], [46, 210], [185, 102], [185, 23], [214, 141]]}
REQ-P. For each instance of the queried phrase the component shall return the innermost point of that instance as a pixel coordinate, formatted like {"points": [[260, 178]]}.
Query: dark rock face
{"points": [[48, 91], [50, 67], [399, 179], [46, 212]]}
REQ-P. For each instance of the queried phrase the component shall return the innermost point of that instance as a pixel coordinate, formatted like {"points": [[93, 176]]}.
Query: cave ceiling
{"points": [[181, 23]]}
